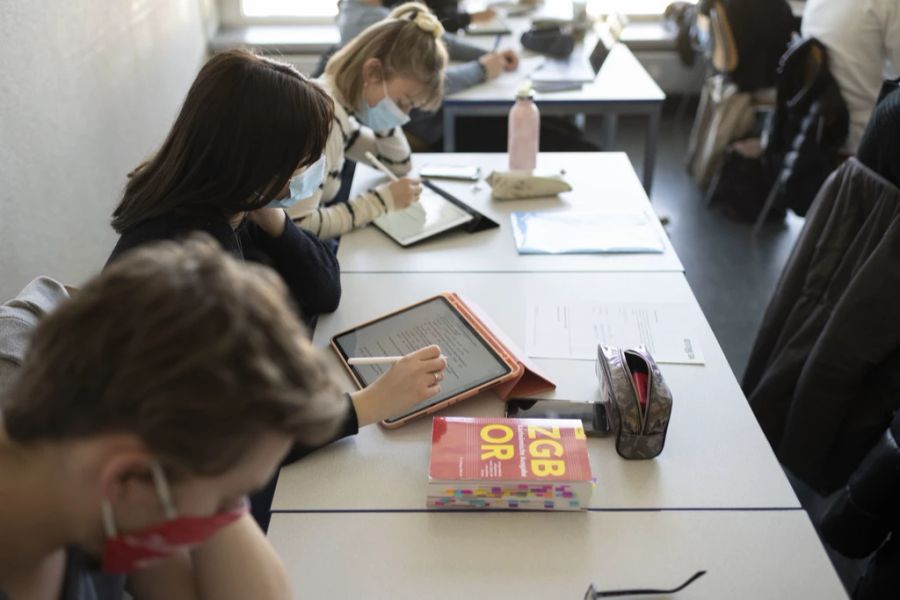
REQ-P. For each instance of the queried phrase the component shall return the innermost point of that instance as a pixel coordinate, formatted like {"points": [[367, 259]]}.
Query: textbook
{"points": [[496, 463]]}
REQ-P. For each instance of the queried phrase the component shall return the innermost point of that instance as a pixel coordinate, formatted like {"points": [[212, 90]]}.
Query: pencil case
{"points": [[549, 40], [637, 400], [511, 185]]}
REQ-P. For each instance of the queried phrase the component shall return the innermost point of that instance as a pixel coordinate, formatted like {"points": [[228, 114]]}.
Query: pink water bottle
{"points": [[524, 131]]}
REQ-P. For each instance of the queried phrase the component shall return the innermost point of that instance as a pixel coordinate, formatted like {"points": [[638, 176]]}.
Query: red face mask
{"points": [[127, 552]]}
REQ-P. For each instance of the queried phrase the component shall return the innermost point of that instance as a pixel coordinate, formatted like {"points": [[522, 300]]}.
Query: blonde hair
{"points": [[407, 43]]}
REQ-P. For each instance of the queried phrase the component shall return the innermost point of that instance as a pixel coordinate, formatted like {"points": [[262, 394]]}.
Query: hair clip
{"points": [[427, 22]]}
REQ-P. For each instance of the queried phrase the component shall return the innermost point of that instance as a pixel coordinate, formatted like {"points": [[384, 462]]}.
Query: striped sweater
{"points": [[348, 138]]}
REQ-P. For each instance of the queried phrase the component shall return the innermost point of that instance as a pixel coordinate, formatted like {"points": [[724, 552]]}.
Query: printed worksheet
{"points": [[572, 330]]}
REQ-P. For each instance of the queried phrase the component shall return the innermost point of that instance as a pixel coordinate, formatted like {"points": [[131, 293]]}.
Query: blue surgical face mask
{"points": [[303, 185], [385, 115]]}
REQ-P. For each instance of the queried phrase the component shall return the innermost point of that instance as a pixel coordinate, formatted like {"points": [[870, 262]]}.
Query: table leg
{"points": [[449, 130], [650, 148], [610, 124]]}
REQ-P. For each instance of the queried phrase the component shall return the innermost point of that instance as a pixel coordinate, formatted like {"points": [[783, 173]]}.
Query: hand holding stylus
{"points": [[404, 190], [377, 360], [411, 380]]}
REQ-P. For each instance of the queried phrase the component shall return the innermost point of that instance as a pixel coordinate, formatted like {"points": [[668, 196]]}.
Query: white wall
{"points": [[88, 88]]}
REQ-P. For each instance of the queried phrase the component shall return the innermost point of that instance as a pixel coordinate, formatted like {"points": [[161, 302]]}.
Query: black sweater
{"points": [[307, 264], [447, 11]]}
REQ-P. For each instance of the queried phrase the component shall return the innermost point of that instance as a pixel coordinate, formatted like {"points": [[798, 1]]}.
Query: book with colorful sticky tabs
{"points": [[495, 463]]}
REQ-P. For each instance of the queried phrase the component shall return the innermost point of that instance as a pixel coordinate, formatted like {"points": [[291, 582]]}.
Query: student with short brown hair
{"points": [[148, 406]]}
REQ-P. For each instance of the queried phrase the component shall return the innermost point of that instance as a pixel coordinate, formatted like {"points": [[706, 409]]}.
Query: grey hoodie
{"points": [[356, 16], [19, 317]]}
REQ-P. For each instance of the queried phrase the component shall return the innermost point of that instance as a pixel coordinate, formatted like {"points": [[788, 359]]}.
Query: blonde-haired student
{"points": [[390, 68]]}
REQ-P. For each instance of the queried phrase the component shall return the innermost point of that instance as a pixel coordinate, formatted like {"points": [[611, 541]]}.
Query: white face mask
{"points": [[303, 185], [385, 115]]}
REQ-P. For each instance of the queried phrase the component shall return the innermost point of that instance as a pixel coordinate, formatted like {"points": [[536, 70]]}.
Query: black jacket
{"points": [[447, 11], [307, 265], [866, 513], [824, 374], [809, 126]]}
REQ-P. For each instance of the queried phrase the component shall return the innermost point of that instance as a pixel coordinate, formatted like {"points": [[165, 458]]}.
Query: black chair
{"points": [[807, 131]]}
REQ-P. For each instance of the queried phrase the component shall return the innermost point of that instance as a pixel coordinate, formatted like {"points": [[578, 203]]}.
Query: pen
{"points": [[506, 59], [376, 360], [378, 164]]}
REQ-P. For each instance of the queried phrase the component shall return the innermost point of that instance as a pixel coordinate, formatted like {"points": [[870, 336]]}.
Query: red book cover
{"points": [[508, 450]]}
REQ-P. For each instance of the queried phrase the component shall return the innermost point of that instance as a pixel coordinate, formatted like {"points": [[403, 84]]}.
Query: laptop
{"points": [[571, 72]]}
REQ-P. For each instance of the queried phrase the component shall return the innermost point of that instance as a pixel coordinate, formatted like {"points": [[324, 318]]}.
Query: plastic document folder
{"points": [[568, 232]]}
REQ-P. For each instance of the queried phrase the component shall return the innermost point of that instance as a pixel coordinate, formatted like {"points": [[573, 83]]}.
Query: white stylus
{"points": [[376, 360], [381, 166], [373, 360]]}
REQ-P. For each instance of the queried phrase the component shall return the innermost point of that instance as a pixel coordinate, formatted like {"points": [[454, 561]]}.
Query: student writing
{"points": [[376, 80]]}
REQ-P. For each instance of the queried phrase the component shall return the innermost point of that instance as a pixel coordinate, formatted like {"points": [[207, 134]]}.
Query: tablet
{"points": [[475, 359], [460, 172], [431, 215]]}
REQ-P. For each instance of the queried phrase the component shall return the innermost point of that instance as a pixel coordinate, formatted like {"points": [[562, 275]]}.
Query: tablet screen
{"points": [[470, 360], [431, 215]]}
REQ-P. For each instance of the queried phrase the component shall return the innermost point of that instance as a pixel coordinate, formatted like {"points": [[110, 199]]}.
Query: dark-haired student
{"points": [[147, 407], [248, 140], [248, 143]]}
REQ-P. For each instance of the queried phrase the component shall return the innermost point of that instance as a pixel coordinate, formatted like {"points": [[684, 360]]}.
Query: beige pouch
{"points": [[509, 185]]}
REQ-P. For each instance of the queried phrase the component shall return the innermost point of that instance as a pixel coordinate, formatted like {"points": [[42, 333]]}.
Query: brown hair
{"points": [[183, 346], [247, 123], [407, 43]]}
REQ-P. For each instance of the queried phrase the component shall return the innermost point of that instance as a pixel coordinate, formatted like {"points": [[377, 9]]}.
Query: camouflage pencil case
{"points": [[637, 400]]}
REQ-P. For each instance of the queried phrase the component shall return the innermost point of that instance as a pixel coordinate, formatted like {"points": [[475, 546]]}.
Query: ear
{"points": [[125, 474], [372, 71]]}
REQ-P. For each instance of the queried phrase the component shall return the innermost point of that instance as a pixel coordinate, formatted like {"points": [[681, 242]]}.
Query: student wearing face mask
{"points": [[148, 406], [376, 80], [248, 143]]}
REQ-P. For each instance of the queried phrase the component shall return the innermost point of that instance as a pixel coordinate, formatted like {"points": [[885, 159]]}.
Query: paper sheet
{"points": [[506, 84], [572, 330]]}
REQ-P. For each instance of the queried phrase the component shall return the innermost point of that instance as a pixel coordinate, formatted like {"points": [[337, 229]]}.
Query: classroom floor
{"points": [[732, 273]]}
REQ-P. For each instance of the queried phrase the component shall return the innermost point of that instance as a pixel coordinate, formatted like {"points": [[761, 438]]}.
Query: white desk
{"points": [[747, 555], [715, 457], [601, 181], [621, 87]]}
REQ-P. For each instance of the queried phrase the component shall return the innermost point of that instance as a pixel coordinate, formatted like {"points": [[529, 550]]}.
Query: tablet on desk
{"points": [[431, 215], [475, 359]]}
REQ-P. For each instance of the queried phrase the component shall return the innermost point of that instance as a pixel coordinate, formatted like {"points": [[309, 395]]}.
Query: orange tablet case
{"points": [[523, 379]]}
